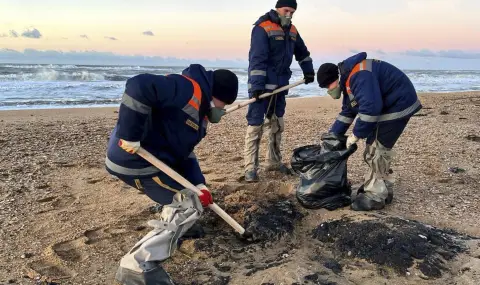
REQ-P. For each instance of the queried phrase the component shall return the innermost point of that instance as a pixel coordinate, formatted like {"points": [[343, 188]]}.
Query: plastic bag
{"points": [[323, 173]]}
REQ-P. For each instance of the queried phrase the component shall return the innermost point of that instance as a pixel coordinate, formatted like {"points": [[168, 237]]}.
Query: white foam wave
{"points": [[53, 75], [38, 66]]}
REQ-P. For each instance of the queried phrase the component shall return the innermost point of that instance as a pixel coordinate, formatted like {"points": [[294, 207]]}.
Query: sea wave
{"points": [[55, 75], [65, 102], [31, 86]]}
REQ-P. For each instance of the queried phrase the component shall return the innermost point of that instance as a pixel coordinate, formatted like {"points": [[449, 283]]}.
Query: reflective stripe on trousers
{"points": [[130, 171], [267, 86]]}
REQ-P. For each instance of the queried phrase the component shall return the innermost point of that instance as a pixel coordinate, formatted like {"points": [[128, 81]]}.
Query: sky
{"points": [[413, 34]]}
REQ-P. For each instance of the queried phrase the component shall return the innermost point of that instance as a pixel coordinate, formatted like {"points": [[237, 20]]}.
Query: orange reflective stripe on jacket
{"points": [[272, 29], [193, 106], [197, 94], [366, 64], [293, 30], [270, 26]]}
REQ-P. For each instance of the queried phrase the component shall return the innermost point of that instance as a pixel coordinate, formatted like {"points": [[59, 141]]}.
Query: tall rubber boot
{"points": [[275, 126], [251, 151], [375, 192], [274, 131], [142, 264], [385, 171]]}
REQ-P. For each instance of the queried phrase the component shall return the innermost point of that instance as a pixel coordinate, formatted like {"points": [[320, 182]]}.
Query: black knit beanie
{"points": [[327, 74], [286, 3], [225, 86]]}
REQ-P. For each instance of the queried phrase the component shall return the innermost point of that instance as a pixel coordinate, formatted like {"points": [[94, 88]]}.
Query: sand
{"points": [[62, 216]]}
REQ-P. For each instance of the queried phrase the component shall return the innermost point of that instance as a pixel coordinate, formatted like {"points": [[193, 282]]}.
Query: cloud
{"points": [[420, 53], [354, 51], [379, 51], [13, 34], [84, 36], [3, 35], [111, 38], [33, 56], [458, 54], [148, 33], [7, 50], [32, 34]]}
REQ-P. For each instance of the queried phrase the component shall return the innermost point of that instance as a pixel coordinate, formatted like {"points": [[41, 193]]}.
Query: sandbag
{"points": [[323, 173]]}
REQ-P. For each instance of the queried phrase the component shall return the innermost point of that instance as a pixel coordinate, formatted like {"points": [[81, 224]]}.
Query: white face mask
{"points": [[286, 20]]}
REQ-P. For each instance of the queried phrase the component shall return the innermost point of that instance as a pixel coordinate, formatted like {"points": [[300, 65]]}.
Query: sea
{"points": [[41, 86]]}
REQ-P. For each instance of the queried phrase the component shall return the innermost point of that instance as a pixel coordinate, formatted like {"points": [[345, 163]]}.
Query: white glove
{"points": [[130, 147], [352, 139]]}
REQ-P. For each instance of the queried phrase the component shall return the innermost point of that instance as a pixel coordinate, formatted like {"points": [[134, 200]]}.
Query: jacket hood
{"points": [[272, 15], [203, 77], [347, 65]]}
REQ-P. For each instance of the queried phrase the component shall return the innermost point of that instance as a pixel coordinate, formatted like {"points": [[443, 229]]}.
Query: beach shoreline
{"points": [[322, 97]]}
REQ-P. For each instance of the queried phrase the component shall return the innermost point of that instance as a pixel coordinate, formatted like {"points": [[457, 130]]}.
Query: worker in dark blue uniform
{"points": [[167, 116], [383, 99], [274, 43]]}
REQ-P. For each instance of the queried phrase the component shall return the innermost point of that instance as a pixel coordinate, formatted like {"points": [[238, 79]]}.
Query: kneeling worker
{"points": [[168, 117], [384, 99]]}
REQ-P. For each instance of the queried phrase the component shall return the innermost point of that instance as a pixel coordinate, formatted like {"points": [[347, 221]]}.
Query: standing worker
{"points": [[384, 99], [274, 42], [167, 116]]}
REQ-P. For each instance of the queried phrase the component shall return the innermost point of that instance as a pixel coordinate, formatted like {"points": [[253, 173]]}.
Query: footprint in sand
{"points": [[100, 234], [95, 180], [70, 250], [218, 179], [56, 203], [77, 250], [47, 199], [48, 269], [64, 201], [237, 158]]}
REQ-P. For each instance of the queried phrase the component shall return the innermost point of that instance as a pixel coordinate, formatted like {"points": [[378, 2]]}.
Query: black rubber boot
{"points": [[251, 176], [387, 201], [389, 197], [363, 203], [285, 170], [153, 274]]}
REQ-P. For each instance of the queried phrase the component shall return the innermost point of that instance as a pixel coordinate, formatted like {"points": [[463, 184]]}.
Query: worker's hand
{"points": [[351, 140], [206, 197], [309, 77], [130, 147], [257, 93]]}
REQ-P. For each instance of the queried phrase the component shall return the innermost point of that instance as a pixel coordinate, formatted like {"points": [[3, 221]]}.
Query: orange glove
{"points": [[130, 147]]}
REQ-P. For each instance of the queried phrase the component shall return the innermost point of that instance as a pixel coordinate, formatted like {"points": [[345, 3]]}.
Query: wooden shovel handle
{"points": [[185, 183], [264, 95]]}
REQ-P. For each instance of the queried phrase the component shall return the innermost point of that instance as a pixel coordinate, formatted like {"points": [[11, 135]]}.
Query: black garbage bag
{"points": [[323, 173]]}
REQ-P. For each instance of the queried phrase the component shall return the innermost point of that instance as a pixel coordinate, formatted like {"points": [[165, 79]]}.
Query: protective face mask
{"points": [[285, 21], [335, 92], [215, 114]]}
